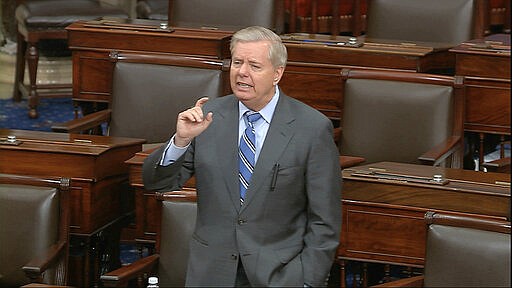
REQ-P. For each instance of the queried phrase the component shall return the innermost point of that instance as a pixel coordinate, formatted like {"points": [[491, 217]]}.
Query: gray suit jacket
{"points": [[288, 229]]}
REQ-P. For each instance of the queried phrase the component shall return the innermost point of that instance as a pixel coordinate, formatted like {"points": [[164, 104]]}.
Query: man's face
{"points": [[252, 75]]}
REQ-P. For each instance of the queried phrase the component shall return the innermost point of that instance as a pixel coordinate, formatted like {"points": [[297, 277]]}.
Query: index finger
{"points": [[201, 102]]}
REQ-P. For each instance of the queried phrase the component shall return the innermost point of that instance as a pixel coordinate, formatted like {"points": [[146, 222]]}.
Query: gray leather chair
{"points": [[227, 14], [440, 21], [404, 117], [169, 263], [149, 91], [463, 252], [39, 20], [34, 230]]}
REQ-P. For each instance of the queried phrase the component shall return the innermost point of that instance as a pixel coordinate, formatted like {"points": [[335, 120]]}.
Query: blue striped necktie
{"points": [[246, 153]]}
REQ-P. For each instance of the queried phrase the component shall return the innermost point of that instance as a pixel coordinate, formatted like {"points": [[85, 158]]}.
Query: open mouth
{"points": [[243, 85]]}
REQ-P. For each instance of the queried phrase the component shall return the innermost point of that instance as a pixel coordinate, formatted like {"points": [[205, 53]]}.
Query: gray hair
{"points": [[277, 52]]}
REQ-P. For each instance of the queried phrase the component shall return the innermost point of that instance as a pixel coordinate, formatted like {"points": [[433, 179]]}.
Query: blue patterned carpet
{"points": [[14, 115]]}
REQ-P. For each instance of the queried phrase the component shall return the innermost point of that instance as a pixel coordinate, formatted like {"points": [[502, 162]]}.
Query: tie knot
{"points": [[253, 117]]}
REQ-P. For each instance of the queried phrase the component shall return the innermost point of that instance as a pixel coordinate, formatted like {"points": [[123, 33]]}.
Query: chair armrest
{"points": [[416, 281], [440, 152], [350, 161], [120, 277], [36, 267], [499, 165], [345, 161], [84, 123]]}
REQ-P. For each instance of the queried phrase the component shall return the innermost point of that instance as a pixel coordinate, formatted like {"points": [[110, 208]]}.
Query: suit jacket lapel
{"points": [[280, 132], [227, 142]]}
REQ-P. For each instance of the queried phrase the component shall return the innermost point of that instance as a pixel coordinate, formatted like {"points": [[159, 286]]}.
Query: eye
{"points": [[255, 67], [236, 63]]}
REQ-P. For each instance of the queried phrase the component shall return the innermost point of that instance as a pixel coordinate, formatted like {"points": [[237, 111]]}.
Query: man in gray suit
{"points": [[271, 221]]}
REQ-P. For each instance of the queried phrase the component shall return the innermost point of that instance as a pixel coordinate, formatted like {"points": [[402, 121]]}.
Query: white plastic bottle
{"points": [[153, 282]]}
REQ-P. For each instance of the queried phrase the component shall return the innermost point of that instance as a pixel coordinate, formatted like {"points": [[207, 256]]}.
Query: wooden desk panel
{"points": [[480, 63], [92, 76], [487, 106], [319, 87], [383, 213], [370, 53], [145, 202], [201, 42], [381, 234]]}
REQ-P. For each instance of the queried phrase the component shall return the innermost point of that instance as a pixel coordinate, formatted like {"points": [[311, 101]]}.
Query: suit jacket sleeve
{"points": [[167, 178], [323, 189]]}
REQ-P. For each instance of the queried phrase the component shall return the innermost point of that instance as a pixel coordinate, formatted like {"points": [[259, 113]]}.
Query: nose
{"points": [[244, 69]]}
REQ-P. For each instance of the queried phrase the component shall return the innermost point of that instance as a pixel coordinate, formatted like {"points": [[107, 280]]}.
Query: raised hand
{"points": [[191, 123]]}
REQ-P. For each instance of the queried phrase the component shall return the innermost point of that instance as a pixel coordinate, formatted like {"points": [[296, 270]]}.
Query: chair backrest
{"points": [[397, 116], [419, 20], [466, 252], [34, 215], [152, 9], [179, 212], [227, 14], [149, 91]]}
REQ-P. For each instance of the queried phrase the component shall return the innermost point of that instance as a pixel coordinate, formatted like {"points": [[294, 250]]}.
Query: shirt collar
{"points": [[267, 112]]}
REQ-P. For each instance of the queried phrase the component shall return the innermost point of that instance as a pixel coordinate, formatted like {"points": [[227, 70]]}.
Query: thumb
{"points": [[209, 117]]}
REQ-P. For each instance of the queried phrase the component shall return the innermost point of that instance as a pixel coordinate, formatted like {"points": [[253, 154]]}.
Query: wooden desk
{"points": [[485, 63], [145, 203], [91, 44], [384, 203], [313, 72], [94, 163], [96, 167]]}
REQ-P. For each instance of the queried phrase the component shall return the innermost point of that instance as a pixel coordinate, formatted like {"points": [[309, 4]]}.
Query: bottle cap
{"points": [[153, 280]]}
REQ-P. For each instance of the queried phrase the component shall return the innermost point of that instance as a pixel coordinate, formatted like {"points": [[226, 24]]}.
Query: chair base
{"points": [[28, 54], [42, 91]]}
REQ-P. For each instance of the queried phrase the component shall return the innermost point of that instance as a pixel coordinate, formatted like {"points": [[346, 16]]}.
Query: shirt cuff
{"points": [[172, 153]]}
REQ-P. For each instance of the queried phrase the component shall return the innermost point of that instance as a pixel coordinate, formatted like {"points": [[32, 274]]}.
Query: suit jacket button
{"points": [[234, 256], [241, 221]]}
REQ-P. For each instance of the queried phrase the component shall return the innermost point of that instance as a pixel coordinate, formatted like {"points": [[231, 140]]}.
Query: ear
{"points": [[278, 74]]}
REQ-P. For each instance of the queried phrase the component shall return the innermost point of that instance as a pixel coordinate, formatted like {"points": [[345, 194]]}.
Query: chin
{"points": [[243, 95]]}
